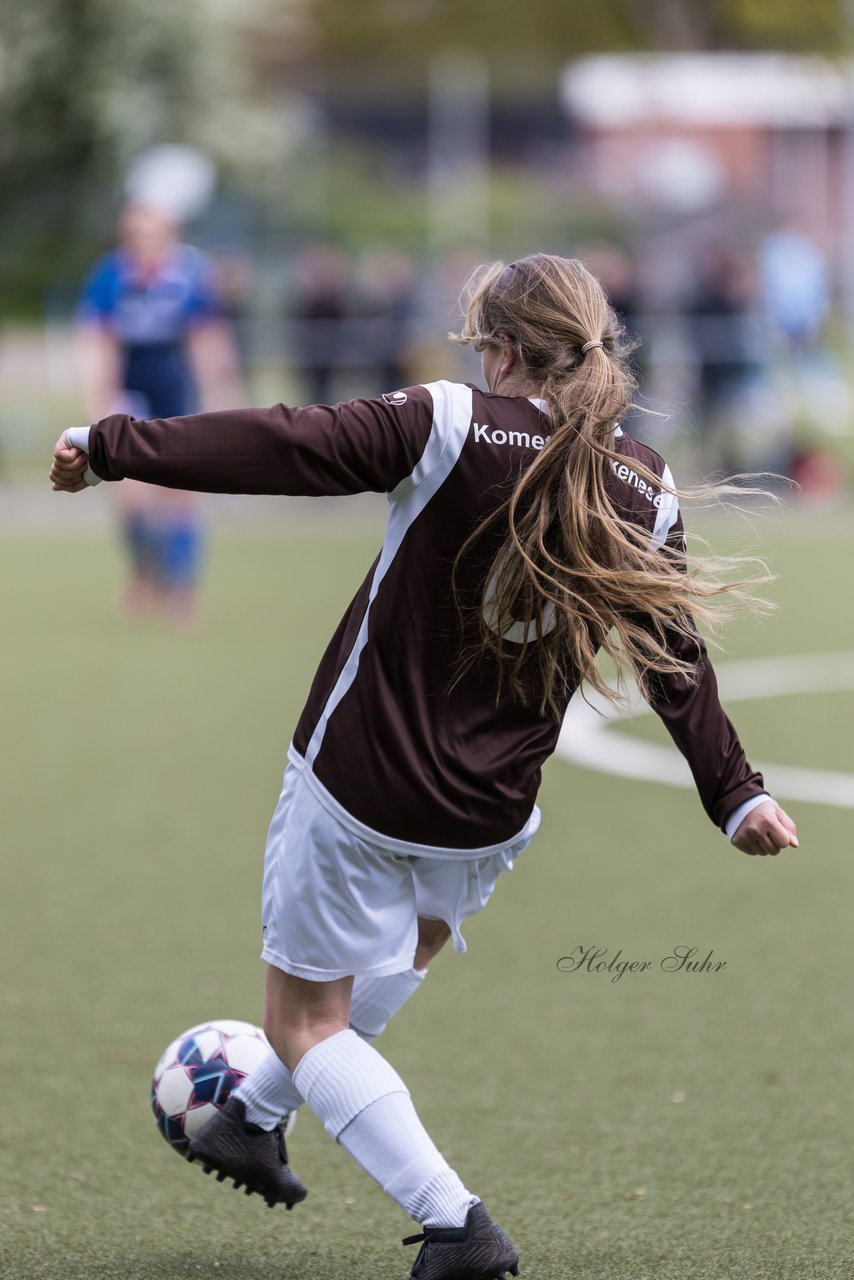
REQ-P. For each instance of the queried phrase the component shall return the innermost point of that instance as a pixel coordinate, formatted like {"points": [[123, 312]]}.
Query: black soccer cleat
{"points": [[478, 1251], [256, 1159]]}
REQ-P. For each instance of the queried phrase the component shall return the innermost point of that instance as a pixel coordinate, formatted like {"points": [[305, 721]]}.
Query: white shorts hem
{"points": [[335, 904], [331, 975]]}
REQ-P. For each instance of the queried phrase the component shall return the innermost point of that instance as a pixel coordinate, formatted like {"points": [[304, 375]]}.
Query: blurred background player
{"points": [[154, 342], [721, 315]]}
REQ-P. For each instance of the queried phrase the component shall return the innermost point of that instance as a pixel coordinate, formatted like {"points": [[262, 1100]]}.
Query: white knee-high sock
{"points": [[376, 1000], [270, 1093], [365, 1106]]}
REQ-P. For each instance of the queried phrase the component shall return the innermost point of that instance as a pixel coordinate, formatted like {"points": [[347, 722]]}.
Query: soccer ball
{"points": [[197, 1073]]}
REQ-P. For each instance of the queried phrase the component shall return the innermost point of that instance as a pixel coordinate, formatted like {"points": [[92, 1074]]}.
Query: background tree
{"points": [[87, 84]]}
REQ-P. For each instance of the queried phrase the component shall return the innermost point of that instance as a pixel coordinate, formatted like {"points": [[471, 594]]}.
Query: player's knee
{"points": [[297, 1012]]}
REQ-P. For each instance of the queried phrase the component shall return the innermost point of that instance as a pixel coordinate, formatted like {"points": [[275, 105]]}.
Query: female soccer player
{"points": [[525, 533]]}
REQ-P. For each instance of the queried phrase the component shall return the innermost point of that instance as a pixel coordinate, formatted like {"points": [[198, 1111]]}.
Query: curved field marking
{"points": [[589, 735]]}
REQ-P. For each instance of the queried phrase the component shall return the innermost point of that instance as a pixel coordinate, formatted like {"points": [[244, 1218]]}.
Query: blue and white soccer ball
{"points": [[197, 1073]]}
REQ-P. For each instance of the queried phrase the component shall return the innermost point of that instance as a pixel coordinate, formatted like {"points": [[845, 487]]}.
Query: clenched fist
{"points": [[69, 467], [766, 830]]}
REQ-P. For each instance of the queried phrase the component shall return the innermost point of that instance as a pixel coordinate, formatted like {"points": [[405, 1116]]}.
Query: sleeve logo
{"points": [[396, 398]]}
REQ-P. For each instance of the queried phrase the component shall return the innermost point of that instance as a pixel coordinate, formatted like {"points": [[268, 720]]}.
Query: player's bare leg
{"points": [[299, 1014], [366, 1107], [270, 1094], [270, 1099], [181, 607], [134, 503], [432, 936]]}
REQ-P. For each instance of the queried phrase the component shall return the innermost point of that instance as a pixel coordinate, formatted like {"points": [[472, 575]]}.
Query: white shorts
{"points": [[338, 899]]}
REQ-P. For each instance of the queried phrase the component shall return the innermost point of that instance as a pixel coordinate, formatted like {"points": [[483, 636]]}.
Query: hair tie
{"points": [[595, 342]]}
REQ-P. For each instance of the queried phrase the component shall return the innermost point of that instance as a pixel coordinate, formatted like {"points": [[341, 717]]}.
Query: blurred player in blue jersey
{"points": [[154, 342]]}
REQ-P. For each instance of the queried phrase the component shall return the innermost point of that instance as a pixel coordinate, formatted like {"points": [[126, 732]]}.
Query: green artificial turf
{"points": [[676, 1126]]}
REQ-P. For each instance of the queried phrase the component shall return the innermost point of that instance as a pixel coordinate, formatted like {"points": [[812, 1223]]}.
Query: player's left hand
{"points": [[69, 466], [766, 830]]}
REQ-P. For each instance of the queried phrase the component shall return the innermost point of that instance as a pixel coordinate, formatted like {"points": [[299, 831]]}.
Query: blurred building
{"points": [[683, 133], [735, 174]]}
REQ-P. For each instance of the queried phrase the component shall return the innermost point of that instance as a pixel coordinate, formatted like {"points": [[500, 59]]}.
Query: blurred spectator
{"points": [[154, 344], [722, 315], [614, 267], [234, 279], [797, 291], [387, 302], [318, 311], [795, 287]]}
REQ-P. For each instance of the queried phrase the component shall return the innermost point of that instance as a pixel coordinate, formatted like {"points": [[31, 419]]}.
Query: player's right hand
{"points": [[766, 830], [69, 467]]}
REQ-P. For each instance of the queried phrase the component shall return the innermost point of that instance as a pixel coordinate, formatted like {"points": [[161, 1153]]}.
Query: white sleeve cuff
{"points": [[738, 815], [79, 437]]}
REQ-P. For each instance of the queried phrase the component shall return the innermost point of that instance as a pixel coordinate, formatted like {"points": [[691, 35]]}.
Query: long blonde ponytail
{"points": [[572, 568]]}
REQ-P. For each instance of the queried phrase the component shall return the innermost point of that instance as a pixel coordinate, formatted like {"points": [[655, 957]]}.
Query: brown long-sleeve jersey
{"points": [[391, 730]]}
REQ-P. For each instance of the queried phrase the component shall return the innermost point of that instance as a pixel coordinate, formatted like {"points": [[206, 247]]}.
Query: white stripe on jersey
{"points": [[668, 512], [452, 413], [451, 403]]}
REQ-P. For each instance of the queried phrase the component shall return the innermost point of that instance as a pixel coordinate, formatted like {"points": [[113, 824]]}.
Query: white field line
{"points": [[592, 739]]}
